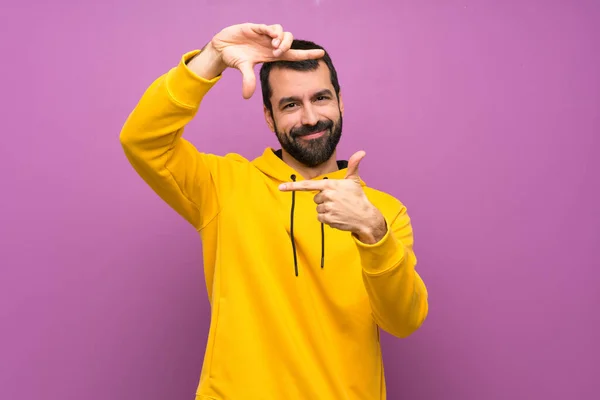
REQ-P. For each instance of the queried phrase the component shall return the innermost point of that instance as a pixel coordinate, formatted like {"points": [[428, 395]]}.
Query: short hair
{"points": [[304, 65]]}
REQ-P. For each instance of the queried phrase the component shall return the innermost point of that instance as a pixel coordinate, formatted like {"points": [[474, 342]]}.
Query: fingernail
{"points": [[276, 43], [282, 186]]}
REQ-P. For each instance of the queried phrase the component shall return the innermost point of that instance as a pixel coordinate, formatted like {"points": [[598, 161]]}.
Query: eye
{"points": [[289, 105], [321, 98]]}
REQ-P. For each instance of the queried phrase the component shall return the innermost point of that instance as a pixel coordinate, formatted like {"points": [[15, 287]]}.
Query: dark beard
{"points": [[316, 151]]}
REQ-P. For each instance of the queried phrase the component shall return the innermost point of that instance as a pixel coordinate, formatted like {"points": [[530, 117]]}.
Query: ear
{"points": [[269, 118], [341, 103]]}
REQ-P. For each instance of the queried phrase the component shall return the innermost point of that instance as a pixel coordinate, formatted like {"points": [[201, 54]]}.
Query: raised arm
{"points": [[182, 176], [153, 143]]}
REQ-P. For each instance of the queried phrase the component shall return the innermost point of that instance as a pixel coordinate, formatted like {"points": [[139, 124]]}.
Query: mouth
{"points": [[315, 135]]}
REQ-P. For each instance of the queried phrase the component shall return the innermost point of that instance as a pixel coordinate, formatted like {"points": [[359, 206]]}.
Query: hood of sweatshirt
{"points": [[271, 164]]}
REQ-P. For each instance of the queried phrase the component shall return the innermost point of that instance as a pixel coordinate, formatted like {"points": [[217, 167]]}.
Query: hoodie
{"points": [[296, 306]]}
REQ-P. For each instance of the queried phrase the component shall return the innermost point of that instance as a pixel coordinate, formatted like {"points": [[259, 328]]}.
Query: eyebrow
{"points": [[291, 99]]}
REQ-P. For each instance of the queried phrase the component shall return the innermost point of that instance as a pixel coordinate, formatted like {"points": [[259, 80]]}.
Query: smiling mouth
{"points": [[313, 135]]}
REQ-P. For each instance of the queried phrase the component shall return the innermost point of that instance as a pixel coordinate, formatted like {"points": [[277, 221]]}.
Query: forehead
{"points": [[288, 82]]}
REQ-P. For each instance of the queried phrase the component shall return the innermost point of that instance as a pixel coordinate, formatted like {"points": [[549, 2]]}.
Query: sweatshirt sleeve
{"points": [[152, 141], [397, 293]]}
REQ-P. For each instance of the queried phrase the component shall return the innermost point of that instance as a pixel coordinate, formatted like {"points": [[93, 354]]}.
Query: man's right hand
{"points": [[242, 47]]}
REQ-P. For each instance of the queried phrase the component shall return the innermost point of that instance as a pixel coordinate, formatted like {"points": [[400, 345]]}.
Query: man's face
{"points": [[307, 116]]}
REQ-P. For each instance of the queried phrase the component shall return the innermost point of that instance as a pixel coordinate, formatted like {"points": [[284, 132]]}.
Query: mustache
{"points": [[308, 129]]}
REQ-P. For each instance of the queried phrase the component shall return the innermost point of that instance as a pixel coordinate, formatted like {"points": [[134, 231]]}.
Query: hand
{"points": [[343, 204], [243, 46]]}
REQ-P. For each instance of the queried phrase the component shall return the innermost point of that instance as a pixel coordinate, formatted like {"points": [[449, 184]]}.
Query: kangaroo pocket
{"points": [[241, 364]]}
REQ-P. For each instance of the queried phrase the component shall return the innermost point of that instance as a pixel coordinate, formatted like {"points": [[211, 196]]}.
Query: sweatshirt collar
{"points": [[271, 163]]}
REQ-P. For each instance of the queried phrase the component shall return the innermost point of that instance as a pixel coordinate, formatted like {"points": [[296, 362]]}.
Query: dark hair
{"points": [[304, 65]]}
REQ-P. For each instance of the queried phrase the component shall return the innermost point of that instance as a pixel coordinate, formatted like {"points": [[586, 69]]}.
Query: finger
{"points": [[299, 55], [353, 163], [322, 208], [278, 31], [324, 218], [324, 195], [307, 185], [263, 29], [248, 79], [285, 44], [320, 198]]}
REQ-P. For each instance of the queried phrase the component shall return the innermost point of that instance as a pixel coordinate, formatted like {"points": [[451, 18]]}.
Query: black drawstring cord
{"points": [[292, 227], [323, 243], [293, 176]]}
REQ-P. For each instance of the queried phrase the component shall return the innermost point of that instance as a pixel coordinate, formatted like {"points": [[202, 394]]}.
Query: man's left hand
{"points": [[343, 204]]}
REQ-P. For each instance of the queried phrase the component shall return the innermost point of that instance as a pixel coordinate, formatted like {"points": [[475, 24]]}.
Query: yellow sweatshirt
{"points": [[296, 306]]}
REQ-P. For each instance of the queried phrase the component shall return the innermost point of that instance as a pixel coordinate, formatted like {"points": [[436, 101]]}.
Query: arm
{"points": [[151, 137], [397, 293], [153, 143]]}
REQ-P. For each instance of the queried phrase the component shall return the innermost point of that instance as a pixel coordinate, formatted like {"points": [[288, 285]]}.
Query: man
{"points": [[303, 262]]}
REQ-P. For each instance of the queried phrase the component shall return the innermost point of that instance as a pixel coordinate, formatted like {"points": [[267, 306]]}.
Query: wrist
{"points": [[207, 64], [373, 229]]}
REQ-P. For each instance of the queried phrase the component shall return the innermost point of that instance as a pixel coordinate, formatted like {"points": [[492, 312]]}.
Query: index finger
{"points": [[307, 185], [300, 55]]}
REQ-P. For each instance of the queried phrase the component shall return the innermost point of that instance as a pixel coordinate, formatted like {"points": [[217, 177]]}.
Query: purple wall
{"points": [[485, 117]]}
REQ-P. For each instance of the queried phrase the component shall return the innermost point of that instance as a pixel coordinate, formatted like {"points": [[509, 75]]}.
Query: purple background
{"points": [[483, 117]]}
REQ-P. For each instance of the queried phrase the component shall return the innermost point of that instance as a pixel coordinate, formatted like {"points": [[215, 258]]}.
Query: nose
{"points": [[309, 116]]}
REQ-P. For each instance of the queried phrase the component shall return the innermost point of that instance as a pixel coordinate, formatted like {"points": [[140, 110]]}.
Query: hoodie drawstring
{"points": [[323, 243], [292, 227], [293, 176]]}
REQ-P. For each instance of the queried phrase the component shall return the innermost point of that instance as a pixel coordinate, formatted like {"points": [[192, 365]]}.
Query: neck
{"points": [[311, 172]]}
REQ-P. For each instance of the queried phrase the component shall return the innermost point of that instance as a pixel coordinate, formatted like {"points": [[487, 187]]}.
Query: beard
{"points": [[313, 152]]}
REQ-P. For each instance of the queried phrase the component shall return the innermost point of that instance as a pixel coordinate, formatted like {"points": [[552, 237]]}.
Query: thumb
{"points": [[248, 79], [353, 162]]}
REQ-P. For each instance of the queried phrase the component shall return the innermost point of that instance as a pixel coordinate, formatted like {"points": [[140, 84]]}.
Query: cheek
{"points": [[332, 112], [285, 123]]}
